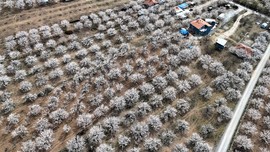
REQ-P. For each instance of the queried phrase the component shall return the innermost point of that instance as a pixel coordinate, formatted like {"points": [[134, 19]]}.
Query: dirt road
{"points": [[48, 15], [232, 30]]}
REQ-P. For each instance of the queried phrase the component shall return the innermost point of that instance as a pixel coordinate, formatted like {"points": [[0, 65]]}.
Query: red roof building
{"points": [[247, 49], [150, 2], [200, 27], [199, 23]]}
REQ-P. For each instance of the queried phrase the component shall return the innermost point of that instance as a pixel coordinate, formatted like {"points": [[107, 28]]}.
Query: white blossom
{"points": [[84, 120], [45, 140], [152, 144], [243, 142], [76, 144]]}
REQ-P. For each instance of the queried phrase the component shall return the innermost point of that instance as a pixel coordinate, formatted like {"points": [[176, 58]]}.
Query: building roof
{"points": [[150, 2], [247, 49], [221, 41], [199, 23], [183, 5]]}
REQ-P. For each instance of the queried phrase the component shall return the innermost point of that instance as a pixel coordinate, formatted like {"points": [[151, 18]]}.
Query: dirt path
{"points": [[232, 30], [71, 11]]}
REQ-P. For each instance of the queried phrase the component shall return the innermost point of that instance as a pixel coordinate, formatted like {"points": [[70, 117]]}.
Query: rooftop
{"points": [[199, 23], [150, 2], [221, 41]]}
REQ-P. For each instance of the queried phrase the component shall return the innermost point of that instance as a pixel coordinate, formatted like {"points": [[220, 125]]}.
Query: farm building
{"points": [[200, 27], [150, 2], [220, 43], [264, 25]]}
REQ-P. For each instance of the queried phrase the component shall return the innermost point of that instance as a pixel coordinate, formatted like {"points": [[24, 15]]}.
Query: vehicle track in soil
{"points": [[71, 11]]}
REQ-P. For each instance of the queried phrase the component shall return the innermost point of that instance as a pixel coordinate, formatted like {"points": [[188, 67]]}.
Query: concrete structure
{"points": [[200, 27], [220, 43]]}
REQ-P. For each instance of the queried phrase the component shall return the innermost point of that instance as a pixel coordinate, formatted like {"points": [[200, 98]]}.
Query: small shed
{"points": [[184, 32], [183, 5], [220, 43], [264, 25]]}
